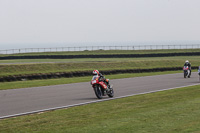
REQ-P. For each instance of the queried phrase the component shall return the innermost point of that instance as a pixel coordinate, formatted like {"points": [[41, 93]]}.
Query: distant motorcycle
{"points": [[101, 88], [186, 71]]}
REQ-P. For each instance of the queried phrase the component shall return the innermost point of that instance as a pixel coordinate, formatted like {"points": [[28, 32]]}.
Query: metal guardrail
{"points": [[92, 48]]}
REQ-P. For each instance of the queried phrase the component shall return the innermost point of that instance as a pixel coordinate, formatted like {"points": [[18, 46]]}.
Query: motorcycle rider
{"points": [[189, 66], [101, 77]]}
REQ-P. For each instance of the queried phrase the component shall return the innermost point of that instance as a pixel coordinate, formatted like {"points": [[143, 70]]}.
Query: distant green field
{"points": [[32, 66], [70, 65], [99, 52], [162, 112], [193, 59]]}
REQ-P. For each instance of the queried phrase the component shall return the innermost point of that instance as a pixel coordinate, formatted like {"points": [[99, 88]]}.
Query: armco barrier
{"points": [[81, 74], [100, 56]]}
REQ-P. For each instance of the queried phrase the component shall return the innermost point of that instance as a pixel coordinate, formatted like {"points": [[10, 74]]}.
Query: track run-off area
{"points": [[16, 102]]}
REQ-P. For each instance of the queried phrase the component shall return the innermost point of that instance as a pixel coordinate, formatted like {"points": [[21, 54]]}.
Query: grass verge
{"points": [[167, 111], [47, 82]]}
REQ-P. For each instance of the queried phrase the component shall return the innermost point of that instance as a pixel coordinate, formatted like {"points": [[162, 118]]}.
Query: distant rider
{"points": [[189, 66], [101, 77]]}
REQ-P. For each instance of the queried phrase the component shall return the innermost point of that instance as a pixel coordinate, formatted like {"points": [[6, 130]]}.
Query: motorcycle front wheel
{"points": [[185, 74], [98, 92]]}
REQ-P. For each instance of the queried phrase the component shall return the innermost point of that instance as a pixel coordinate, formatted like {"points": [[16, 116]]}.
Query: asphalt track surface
{"points": [[17, 102]]}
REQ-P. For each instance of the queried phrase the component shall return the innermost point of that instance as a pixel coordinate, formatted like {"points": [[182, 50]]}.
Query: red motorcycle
{"points": [[101, 88]]}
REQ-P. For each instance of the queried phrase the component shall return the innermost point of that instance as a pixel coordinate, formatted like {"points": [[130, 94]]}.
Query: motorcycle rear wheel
{"points": [[111, 92]]}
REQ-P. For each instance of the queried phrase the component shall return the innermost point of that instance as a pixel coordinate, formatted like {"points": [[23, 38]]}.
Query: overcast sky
{"points": [[33, 23]]}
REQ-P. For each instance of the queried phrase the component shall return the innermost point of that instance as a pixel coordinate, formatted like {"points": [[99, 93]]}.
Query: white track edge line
{"points": [[79, 104]]}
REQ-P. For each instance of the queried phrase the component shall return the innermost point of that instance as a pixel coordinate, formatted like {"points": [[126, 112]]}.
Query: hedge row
{"points": [[100, 56], [81, 74]]}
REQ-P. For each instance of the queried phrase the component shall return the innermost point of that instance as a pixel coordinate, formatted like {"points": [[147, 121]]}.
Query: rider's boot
{"points": [[189, 74], [108, 89]]}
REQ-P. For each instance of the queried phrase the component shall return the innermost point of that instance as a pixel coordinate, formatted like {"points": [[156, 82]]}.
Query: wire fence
{"points": [[93, 48]]}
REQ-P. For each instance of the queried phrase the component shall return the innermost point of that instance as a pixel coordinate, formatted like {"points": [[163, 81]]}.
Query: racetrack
{"points": [[31, 100]]}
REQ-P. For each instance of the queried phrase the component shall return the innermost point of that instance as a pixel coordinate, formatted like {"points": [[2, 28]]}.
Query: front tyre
{"points": [[185, 74], [98, 92]]}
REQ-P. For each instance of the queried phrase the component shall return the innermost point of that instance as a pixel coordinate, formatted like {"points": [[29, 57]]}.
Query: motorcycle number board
{"points": [[94, 81]]}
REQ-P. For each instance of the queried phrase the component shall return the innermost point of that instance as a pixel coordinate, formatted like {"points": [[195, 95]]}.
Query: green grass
{"points": [[91, 64], [162, 112], [47, 82], [98, 52]]}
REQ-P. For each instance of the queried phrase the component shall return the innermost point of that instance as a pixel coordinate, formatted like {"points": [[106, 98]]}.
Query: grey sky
{"points": [[63, 21]]}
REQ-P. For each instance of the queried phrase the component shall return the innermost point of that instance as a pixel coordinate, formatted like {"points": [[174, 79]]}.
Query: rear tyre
{"points": [[111, 92], [98, 92]]}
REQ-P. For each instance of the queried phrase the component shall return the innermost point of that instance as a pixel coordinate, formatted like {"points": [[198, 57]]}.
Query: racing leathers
{"points": [[104, 79]]}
